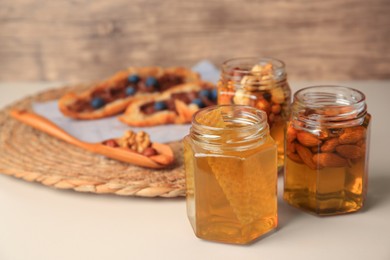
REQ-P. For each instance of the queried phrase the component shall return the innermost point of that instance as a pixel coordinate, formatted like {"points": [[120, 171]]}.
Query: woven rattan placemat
{"points": [[34, 156]]}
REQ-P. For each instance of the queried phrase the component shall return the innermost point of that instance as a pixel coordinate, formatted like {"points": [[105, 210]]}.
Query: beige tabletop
{"points": [[37, 222]]}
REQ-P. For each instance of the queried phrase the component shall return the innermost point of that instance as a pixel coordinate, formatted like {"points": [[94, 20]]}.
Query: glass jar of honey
{"points": [[260, 83], [327, 143], [231, 174]]}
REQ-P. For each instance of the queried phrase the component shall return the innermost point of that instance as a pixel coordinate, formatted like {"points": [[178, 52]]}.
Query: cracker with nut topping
{"points": [[175, 106], [112, 96]]}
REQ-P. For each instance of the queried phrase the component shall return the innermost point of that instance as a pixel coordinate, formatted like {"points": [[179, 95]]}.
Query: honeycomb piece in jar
{"points": [[213, 118]]}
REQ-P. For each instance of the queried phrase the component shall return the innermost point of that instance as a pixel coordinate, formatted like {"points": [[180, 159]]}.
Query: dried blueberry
{"points": [[133, 78], [267, 96], [198, 102], [205, 93], [97, 102], [160, 105], [130, 91], [214, 94], [151, 82]]}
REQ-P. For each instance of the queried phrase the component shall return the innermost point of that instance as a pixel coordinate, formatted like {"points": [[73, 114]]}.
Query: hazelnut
{"points": [[277, 95], [276, 109], [241, 97], [262, 104], [111, 143], [149, 151]]}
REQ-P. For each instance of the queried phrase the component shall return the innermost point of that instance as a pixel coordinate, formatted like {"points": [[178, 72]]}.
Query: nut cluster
{"points": [[258, 89], [137, 142], [337, 147]]}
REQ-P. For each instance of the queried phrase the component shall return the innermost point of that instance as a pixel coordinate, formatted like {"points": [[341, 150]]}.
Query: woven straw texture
{"points": [[34, 156]]}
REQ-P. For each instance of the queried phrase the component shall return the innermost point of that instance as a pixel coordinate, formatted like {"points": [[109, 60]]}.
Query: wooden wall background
{"points": [[82, 40]]}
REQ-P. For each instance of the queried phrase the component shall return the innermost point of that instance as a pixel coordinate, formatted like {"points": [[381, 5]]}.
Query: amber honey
{"points": [[327, 191], [277, 133], [231, 184], [327, 151]]}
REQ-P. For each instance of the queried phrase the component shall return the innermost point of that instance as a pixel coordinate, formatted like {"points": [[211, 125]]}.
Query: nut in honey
{"points": [[327, 151]]}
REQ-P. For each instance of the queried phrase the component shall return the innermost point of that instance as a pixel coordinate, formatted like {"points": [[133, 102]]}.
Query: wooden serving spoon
{"points": [[162, 159]]}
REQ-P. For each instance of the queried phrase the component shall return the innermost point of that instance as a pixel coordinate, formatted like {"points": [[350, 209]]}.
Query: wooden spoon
{"points": [[161, 160]]}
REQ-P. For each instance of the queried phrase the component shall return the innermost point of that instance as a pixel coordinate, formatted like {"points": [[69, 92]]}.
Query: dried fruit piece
{"points": [[330, 145], [267, 96], [349, 151], [329, 160], [306, 156], [352, 135], [308, 139]]}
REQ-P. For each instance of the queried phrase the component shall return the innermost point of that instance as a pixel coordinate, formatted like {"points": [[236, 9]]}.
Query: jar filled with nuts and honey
{"points": [[260, 83], [327, 143], [231, 174]]}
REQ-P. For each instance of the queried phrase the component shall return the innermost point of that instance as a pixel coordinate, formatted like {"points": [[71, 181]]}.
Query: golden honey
{"points": [[327, 150], [261, 83], [231, 174]]}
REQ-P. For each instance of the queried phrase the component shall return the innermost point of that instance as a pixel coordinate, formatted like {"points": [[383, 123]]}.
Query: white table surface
{"points": [[37, 222]]}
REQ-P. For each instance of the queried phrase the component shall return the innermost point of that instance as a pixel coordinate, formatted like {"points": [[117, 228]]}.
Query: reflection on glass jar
{"points": [[260, 83], [327, 150], [231, 174]]}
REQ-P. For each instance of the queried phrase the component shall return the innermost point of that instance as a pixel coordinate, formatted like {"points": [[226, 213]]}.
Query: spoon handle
{"points": [[45, 125]]}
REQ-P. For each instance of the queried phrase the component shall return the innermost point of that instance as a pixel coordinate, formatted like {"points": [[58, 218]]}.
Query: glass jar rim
{"points": [[237, 69], [259, 115], [309, 90], [279, 64], [251, 127], [329, 105]]}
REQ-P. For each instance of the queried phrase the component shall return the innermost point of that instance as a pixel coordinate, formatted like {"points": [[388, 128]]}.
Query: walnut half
{"points": [[135, 141]]}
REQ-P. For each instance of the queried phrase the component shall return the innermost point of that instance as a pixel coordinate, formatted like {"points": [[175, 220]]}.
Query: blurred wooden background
{"points": [[82, 40]]}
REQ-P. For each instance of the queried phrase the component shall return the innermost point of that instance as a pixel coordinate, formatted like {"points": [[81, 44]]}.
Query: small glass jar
{"points": [[231, 174], [261, 83], [327, 143]]}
